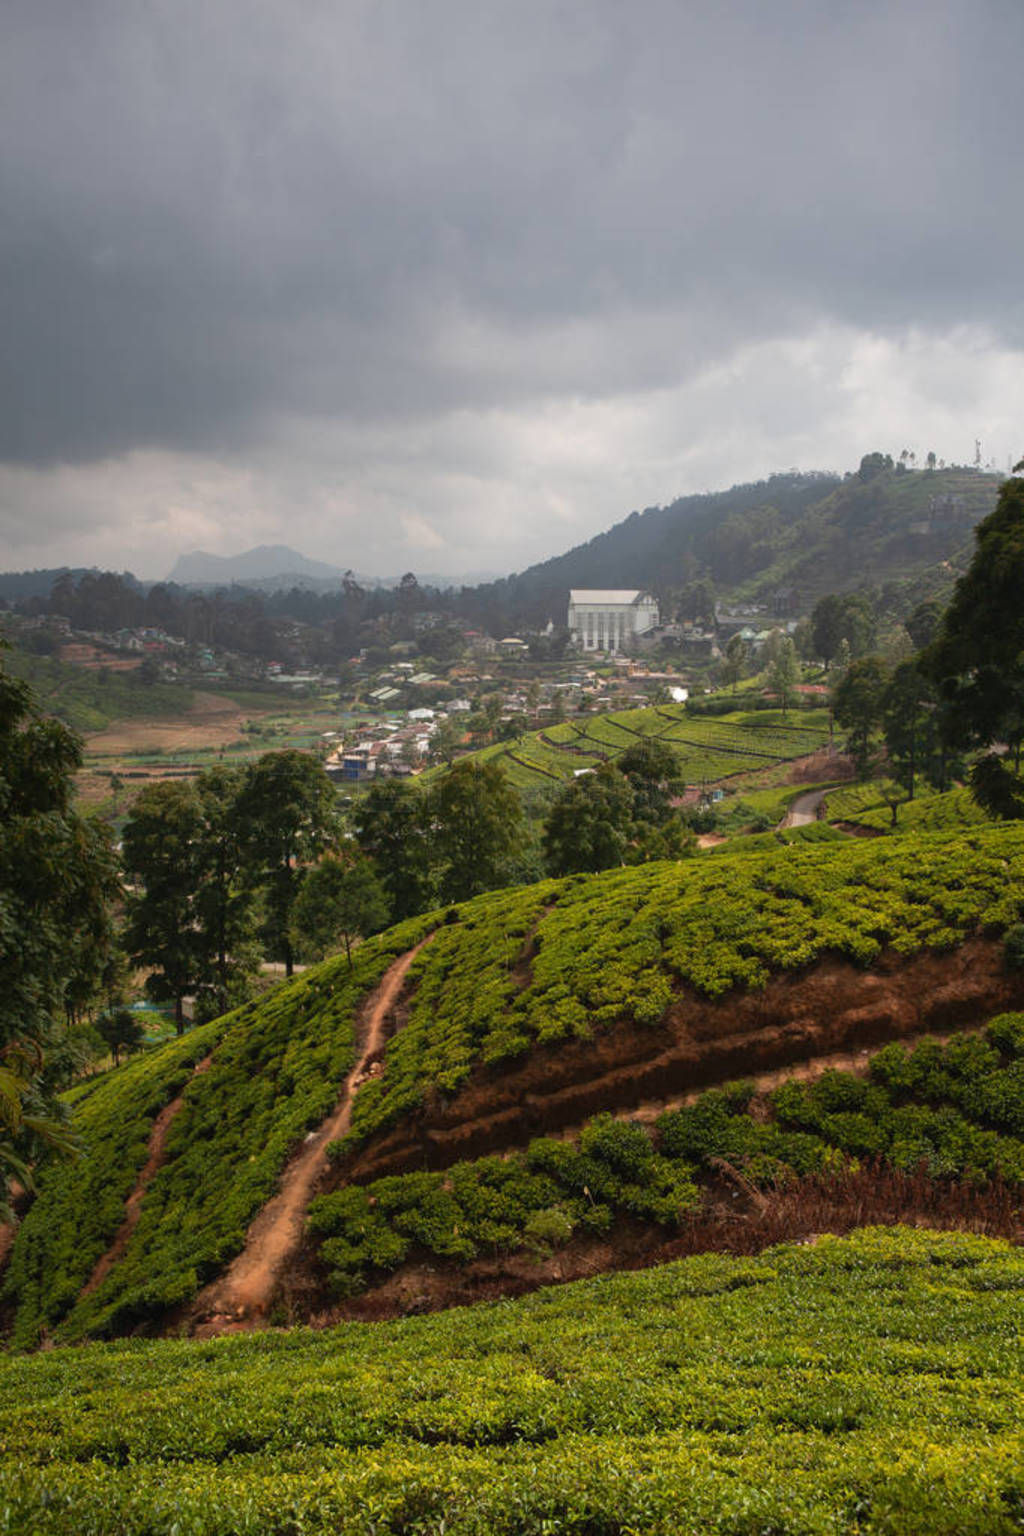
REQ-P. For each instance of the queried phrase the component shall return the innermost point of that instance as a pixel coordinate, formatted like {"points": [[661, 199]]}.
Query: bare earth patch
{"points": [[213, 721]]}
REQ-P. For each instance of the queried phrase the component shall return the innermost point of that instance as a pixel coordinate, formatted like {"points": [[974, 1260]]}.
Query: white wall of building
{"points": [[607, 621]]}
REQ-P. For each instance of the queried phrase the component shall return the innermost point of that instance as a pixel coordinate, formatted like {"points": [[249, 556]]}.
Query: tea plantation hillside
{"points": [[935, 1131], [872, 1386], [707, 748], [527, 1011]]}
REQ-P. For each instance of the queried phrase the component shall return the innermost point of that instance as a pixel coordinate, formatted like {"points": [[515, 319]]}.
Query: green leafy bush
{"points": [[546, 1229], [870, 1384]]}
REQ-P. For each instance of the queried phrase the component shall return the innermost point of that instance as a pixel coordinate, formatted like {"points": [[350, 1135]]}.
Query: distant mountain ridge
{"points": [[276, 567], [266, 562]]}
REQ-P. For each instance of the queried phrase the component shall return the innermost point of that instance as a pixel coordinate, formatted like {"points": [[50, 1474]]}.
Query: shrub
{"points": [[547, 1229], [1006, 1033], [624, 1147]]}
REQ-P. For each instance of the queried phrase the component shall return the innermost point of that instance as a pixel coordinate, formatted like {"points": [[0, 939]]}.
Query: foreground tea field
{"points": [[865, 1385]]}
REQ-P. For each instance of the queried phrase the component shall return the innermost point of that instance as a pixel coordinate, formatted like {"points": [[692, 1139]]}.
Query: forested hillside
{"points": [[884, 526], [819, 531]]}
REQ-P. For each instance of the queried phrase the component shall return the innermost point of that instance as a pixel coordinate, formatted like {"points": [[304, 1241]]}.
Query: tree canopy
{"points": [[341, 899], [590, 824], [391, 827], [857, 702], [475, 817], [287, 813], [58, 879], [977, 659], [162, 851]]}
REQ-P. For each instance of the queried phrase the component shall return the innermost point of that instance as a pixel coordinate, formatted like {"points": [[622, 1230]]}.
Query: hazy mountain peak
{"points": [[267, 560]]}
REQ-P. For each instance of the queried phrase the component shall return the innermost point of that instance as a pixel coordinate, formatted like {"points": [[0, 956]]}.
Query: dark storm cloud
{"points": [[218, 215]]}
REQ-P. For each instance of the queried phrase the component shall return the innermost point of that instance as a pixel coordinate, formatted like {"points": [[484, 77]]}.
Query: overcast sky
{"points": [[451, 285]]}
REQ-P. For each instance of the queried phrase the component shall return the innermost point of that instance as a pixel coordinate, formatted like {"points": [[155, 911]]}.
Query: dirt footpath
{"points": [[242, 1297]]}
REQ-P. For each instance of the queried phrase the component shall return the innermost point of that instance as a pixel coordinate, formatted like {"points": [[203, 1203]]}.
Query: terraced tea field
{"points": [[708, 748], [525, 1013]]}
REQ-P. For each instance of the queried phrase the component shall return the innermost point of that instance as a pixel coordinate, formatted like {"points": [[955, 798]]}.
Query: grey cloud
{"points": [[218, 217]]}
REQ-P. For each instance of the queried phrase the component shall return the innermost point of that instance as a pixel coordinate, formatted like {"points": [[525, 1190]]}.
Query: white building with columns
{"points": [[608, 620]]}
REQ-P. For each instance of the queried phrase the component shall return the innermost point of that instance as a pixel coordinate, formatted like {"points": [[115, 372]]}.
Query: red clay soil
{"points": [[832, 1014], [855, 1061], [242, 1297], [833, 1008], [133, 1205]]}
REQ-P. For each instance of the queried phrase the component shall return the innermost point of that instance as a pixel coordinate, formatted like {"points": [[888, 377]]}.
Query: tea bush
{"points": [[628, 944], [956, 1109], [869, 1386], [496, 1204], [278, 1064]]}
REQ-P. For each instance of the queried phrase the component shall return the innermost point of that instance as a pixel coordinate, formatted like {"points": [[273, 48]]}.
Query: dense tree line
{"points": [[977, 657], [963, 692], [58, 883], [216, 865], [242, 864]]}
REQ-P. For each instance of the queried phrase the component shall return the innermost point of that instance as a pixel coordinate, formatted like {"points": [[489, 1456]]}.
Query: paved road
{"points": [[804, 809]]}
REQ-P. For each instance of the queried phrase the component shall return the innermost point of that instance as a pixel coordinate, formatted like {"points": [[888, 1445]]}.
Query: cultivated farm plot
{"points": [[215, 729], [929, 811], [213, 721]]}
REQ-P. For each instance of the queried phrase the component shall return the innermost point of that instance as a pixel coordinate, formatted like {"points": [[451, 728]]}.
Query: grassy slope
{"points": [[865, 1385], [86, 702], [611, 946]]}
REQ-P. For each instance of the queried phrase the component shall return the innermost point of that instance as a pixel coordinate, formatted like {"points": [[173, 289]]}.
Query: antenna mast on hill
{"points": [[977, 453]]}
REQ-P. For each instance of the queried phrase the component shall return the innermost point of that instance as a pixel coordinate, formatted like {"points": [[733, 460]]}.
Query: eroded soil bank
{"points": [[832, 1008]]}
